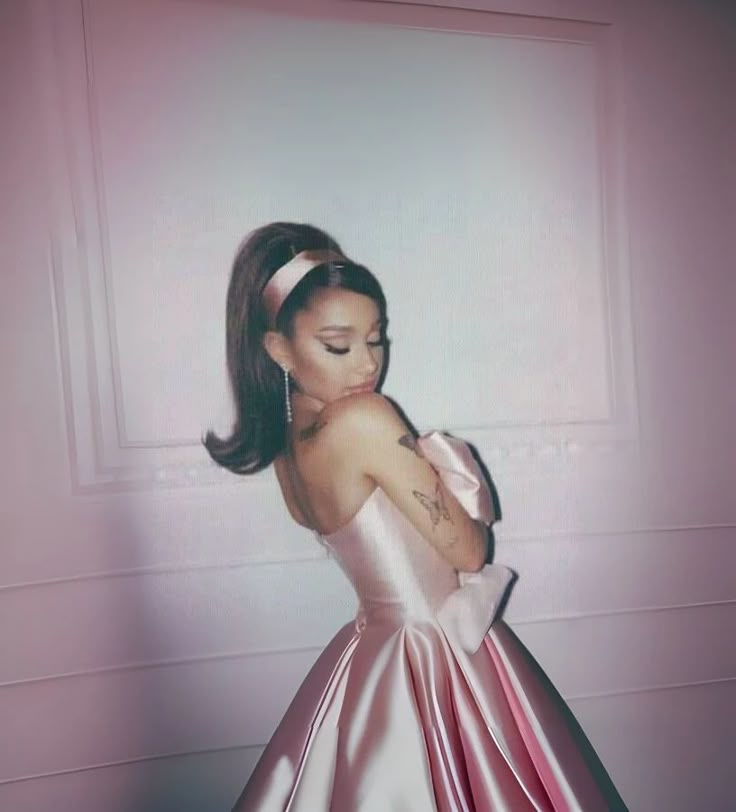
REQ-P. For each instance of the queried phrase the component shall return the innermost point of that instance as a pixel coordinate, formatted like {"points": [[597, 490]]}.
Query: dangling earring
{"points": [[287, 397]]}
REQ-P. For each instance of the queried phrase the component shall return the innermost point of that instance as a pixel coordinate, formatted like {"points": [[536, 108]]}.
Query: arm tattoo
{"points": [[410, 442], [311, 431], [435, 505]]}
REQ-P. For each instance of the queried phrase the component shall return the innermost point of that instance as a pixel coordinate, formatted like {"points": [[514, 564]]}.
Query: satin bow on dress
{"points": [[467, 613]]}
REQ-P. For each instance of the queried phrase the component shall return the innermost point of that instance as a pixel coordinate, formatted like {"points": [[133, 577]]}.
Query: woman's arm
{"points": [[383, 448]]}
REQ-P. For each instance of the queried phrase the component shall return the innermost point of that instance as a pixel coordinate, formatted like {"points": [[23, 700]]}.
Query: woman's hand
{"points": [[383, 448]]}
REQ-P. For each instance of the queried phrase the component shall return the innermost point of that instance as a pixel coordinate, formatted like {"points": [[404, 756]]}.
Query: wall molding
{"points": [[104, 458], [321, 555], [126, 761], [163, 663], [256, 747], [291, 650], [571, 10], [646, 689]]}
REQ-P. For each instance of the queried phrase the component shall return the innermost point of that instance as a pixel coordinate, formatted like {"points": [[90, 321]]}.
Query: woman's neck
{"points": [[305, 415]]}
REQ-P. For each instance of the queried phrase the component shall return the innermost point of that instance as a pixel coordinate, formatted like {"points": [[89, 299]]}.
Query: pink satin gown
{"points": [[425, 701]]}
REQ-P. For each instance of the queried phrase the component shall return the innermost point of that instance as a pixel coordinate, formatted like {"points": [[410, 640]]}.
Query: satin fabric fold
{"points": [[468, 612], [459, 472], [426, 701]]}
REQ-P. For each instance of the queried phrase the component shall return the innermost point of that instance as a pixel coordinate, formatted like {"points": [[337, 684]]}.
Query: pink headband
{"points": [[280, 285]]}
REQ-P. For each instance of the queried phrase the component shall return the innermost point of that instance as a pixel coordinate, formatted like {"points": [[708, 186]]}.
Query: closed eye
{"points": [[344, 350]]}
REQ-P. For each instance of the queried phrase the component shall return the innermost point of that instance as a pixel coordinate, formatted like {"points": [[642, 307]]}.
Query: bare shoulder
{"points": [[365, 431], [360, 417], [359, 407], [371, 439]]}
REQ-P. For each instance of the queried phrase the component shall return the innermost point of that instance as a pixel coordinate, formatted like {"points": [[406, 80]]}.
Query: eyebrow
{"points": [[341, 328]]}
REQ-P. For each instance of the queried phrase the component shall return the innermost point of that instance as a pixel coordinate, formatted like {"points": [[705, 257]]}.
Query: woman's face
{"points": [[336, 345]]}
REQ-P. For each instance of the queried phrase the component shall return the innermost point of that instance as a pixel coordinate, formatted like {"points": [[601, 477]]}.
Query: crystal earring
{"points": [[287, 397]]}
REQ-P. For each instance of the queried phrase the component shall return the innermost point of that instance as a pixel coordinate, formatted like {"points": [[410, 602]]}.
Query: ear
{"points": [[277, 347]]}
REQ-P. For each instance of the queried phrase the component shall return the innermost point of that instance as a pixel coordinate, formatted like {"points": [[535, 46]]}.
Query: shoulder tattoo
{"points": [[409, 441], [313, 430]]}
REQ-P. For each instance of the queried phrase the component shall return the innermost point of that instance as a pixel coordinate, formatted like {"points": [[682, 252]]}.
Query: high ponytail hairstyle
{"points": [[259, 429]]}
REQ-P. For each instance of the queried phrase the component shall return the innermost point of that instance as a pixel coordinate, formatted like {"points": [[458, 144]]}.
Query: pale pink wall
{"points": [[122, 608]]}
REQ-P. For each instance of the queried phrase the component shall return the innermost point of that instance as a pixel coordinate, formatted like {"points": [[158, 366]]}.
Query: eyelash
{"points": [[345, 350]]}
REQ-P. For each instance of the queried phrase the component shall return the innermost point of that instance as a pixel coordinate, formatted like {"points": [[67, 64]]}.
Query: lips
{"points": [[366, 387]]}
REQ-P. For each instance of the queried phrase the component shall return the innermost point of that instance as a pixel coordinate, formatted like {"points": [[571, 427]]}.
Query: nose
{"points": [[368, 365]]}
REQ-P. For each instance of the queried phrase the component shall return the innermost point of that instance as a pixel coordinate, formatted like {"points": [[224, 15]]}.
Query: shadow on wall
{"points": [[191, 755], [110, 704]]}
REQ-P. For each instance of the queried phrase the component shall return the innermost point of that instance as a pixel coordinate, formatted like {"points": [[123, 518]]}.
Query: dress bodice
{"points": [[399, 577], [396, 573]]}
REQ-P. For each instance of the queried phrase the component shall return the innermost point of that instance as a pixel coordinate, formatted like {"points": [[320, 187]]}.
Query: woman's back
{"points": [[323, 483], [357, 443]]}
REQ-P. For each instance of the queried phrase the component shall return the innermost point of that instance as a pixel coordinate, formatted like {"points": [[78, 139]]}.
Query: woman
{"points": [[419, 703]]}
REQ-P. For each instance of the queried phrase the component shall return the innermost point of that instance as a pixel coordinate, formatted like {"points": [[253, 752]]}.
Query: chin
{"points": [[361, 391]]}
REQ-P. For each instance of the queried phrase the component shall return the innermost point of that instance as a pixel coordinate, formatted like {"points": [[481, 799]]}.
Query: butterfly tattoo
{"points": [[436, 506]]}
